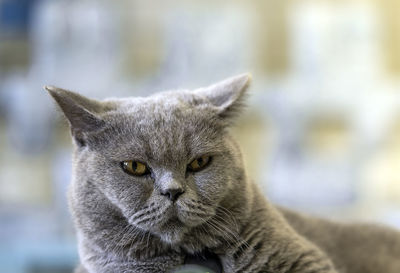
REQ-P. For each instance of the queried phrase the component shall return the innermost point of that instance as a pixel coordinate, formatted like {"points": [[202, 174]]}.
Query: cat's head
{"points": [[165, 162]]}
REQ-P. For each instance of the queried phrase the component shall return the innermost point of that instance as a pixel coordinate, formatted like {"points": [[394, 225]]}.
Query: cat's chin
{"points": [[173, 232]]}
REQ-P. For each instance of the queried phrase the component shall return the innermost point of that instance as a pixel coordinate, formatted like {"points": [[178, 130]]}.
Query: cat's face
{"points": [[158, 140], [165, 161]]}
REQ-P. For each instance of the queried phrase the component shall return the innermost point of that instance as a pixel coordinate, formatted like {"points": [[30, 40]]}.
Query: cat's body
{"points": [[189, 193], [352, 248]]}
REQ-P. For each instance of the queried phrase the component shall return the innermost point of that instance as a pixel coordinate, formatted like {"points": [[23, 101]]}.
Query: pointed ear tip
{"points": [[51, 89], [48, 87], [247, 76], [244, 80], [249, 79], [54, 91]]}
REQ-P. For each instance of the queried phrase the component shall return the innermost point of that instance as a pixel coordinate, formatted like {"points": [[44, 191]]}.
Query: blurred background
{"points": [[321, 133]]}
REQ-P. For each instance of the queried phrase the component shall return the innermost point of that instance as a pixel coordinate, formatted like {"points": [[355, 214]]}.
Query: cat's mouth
{"points": [[170, 222], [174, 222]]}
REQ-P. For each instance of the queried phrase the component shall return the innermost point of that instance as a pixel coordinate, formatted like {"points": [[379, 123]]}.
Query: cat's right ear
{"points": [[227, 96], [81, 113]]}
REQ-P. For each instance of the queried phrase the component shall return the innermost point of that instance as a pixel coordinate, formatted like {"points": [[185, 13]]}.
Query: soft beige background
{"points": [[321, 133]]}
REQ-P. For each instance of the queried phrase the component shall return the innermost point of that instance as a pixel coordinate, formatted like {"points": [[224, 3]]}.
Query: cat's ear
{"points": [[227, 96], [81, 113]]}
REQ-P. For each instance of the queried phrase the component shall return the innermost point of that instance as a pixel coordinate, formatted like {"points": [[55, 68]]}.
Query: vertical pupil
{"points": [[200, 161], [134, 166]]}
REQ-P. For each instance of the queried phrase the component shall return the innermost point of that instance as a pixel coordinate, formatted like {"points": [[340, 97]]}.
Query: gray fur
{"points": [[124, 224]]}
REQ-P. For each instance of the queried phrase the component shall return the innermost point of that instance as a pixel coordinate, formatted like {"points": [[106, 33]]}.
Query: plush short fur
{"points": [[125, 224]]}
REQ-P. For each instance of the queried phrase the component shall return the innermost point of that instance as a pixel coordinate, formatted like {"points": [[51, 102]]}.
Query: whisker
{"points": [[238, 241], [224, 235]]}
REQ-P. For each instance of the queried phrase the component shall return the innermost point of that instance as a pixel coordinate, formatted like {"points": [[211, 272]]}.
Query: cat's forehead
{"points": [[168, 125], [169, 101], [169, 109]]}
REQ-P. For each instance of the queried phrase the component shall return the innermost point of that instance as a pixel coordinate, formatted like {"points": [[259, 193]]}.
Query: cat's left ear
{"points": [[228, 95]]}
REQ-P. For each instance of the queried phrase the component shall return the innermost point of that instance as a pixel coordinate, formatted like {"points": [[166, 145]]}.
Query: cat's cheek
{"points": [[211, 188], [126, 193]]}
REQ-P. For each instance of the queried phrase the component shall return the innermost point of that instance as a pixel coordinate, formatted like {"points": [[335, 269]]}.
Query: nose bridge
{"points": [[170, 180], [170, 185]]}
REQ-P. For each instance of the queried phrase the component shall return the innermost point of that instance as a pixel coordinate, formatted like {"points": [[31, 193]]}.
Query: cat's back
{"points": [[354, 248]]}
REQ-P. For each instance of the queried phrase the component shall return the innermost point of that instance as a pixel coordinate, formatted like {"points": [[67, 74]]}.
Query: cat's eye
{"points": [[199, 163], [135, 168]]}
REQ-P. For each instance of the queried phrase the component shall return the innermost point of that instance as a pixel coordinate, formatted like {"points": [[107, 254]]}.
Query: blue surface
{"points": [[44, 256]]}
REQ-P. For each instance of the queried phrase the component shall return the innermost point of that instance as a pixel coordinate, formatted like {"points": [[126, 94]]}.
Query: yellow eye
{"points": [[135, 168], [199, 163]]}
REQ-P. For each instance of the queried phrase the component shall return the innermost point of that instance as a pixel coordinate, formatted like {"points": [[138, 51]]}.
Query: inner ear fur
{"points": [[228, 96], [82, 113]]}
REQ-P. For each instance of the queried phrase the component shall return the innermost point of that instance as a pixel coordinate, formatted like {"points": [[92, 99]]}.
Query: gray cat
{"points": [[157, 178]]}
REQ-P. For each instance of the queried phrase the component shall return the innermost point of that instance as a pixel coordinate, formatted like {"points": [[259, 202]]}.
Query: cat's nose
{"points": [[172, 193]]}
